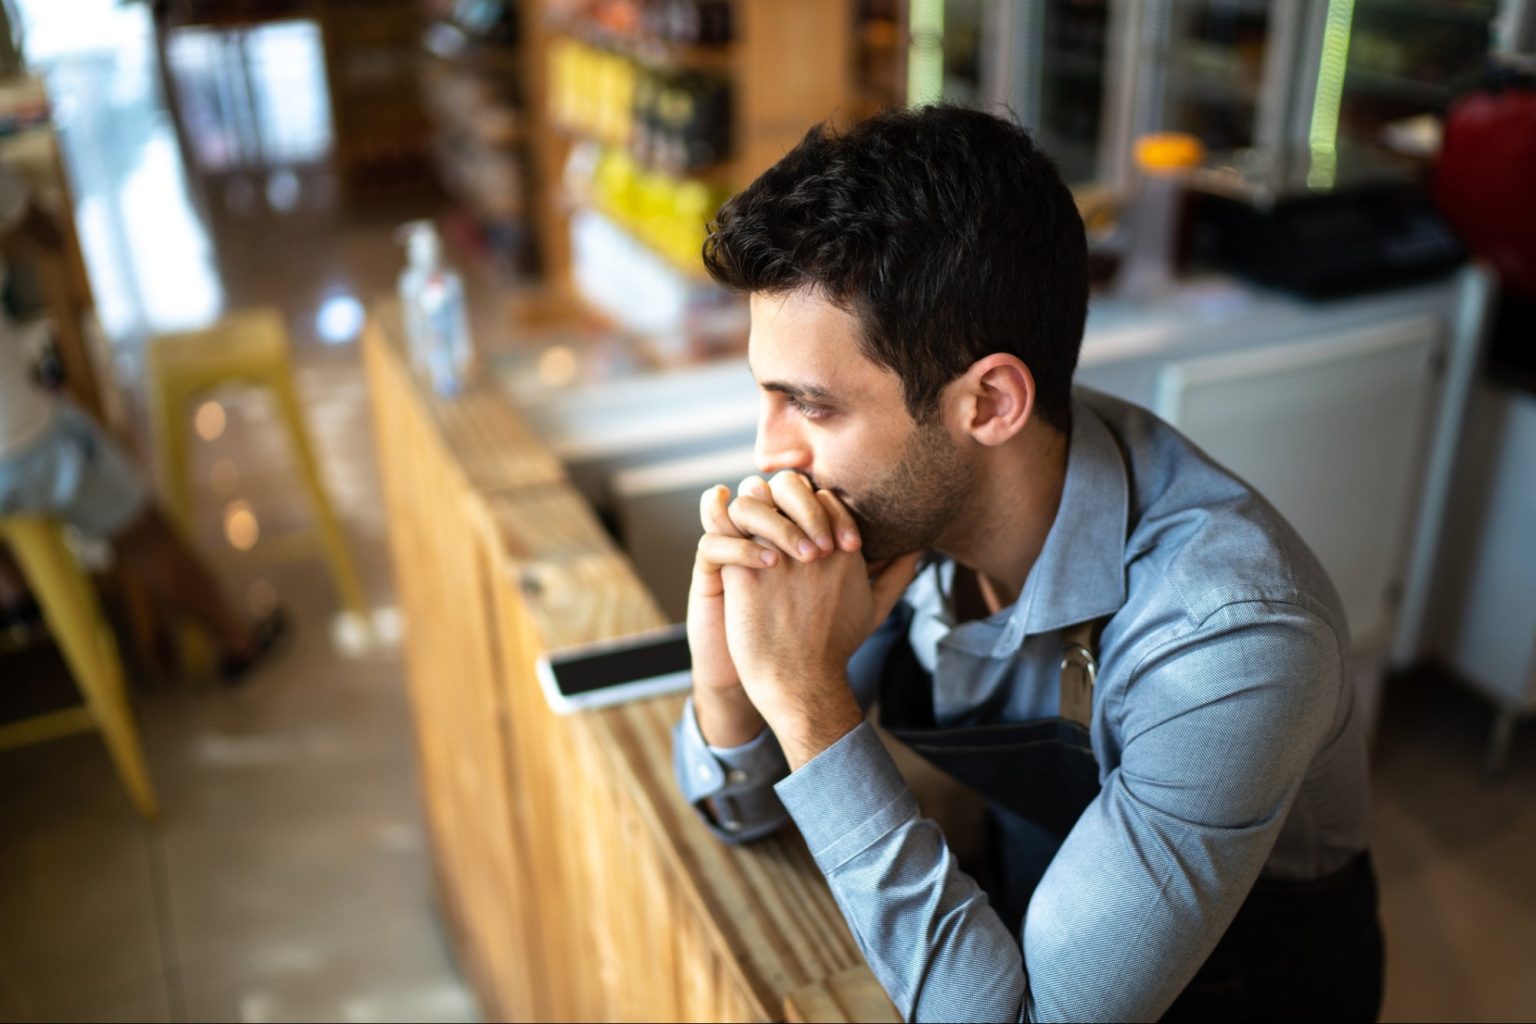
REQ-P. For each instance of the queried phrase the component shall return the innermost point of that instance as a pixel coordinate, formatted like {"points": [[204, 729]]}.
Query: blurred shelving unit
{"points": [[382, 134], [473, 83], [643, 116], [880, 41], [29, 149]]}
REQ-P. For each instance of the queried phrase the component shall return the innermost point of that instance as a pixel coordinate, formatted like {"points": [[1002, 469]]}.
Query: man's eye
{"points": [[806, 409]]}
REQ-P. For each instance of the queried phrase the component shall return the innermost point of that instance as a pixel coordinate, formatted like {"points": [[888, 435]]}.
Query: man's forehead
{"points": [[803, 340]]}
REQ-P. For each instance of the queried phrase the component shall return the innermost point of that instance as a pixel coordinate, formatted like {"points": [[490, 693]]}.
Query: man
{"points": [[56, 461], [1055, 598]]}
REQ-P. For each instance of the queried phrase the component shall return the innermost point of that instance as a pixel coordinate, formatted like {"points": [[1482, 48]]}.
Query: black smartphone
{"points": [[617, 670]]}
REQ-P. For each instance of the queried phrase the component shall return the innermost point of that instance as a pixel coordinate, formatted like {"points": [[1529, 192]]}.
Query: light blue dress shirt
{"points": [[1224, 727]]}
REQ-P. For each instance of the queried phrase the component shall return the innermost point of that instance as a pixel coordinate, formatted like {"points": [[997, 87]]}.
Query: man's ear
{"points": [[996, 397]]}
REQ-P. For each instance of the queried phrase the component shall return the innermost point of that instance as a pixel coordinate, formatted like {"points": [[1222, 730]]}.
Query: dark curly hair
{"points": [[946, 232]]}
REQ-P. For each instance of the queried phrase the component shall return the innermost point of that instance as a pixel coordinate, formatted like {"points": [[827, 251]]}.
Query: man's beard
{"points": [[910, 507]]}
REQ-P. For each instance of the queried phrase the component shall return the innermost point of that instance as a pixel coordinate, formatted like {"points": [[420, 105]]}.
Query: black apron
{"points": [[1297, 951]]}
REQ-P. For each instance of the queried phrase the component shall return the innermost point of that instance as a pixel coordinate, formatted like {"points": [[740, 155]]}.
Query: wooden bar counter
{"points": [[577, 882]]}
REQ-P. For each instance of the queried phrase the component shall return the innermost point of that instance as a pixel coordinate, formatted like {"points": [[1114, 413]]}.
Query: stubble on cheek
{"points": [[911, 505]]}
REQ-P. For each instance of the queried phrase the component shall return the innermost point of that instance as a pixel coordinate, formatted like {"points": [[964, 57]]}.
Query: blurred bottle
{"points": [[1152, 218], [432, 303]]}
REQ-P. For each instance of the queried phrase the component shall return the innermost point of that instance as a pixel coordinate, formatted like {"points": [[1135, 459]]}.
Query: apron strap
{"points": [[1079, 670]]}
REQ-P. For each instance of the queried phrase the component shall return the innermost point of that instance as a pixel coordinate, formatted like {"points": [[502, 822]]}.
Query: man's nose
{"points": [[779, 448]]}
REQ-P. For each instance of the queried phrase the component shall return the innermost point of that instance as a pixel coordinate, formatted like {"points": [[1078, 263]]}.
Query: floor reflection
{"points": [[255, 122], [151, 260]]}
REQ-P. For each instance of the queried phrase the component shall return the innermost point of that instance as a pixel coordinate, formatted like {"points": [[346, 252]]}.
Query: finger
{"points": [[713, 514], [893, 581], [840, 520], [761, 519], [797, 502], [716, 553], [755, 487], [706, 582]]}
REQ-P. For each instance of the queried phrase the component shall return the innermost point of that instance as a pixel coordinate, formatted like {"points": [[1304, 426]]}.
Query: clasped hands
{"points": [[781, 598]]}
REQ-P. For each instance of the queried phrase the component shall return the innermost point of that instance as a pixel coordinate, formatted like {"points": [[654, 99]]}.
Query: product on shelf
{"points": [[652, 112], [472, 84], [682, 121], [686, 22], [675, 120], [668, 213]]}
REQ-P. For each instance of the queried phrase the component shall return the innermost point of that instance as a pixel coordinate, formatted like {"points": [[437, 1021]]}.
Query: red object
{"points": [[1485, 182]]}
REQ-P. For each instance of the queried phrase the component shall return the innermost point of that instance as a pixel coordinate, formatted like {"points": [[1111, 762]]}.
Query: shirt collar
{"points": [[1080, 574]]}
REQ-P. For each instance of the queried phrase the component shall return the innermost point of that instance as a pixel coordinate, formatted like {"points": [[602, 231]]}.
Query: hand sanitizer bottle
{"points": [[432, 303]]}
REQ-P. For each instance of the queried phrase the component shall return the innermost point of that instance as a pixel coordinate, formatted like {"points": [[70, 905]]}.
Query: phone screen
{"points": [[579, 673]]}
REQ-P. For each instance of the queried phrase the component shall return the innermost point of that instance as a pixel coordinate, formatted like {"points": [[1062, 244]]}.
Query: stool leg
{"points": [[169, 408], [336, 556], [75, 620], [173, 448]]}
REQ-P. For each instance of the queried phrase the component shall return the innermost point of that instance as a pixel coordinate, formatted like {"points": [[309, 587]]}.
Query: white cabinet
{"points": [[1345, 415], [1332, 431], [1482, 619]]}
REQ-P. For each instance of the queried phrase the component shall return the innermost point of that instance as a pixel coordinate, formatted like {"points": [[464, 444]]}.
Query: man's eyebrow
{"points": [[813, 391]]}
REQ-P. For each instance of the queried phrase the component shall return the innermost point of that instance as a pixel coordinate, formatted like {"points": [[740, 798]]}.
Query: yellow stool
{"points": [[70, 609], [247, 347]]}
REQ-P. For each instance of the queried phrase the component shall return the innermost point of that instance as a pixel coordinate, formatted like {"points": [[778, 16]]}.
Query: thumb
{"points": [[892, 581], [706, 582]]}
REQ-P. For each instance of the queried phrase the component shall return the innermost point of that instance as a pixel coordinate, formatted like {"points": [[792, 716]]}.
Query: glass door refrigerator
{"points": [[1088, 76], [1403, 65], [1048, 62], [1286, 94], [1311, 94], [1234, 73]]}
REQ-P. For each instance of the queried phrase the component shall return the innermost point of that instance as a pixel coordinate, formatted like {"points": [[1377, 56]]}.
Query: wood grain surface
{"points": [[578, 884], [849, 995]]}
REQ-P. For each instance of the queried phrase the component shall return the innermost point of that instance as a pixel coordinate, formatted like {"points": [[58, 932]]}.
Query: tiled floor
{"points": [[1456, 852], [288, 877]]}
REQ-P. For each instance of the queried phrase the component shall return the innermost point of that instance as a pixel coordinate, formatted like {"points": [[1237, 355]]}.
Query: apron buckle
{"points": [[1079, 672]]}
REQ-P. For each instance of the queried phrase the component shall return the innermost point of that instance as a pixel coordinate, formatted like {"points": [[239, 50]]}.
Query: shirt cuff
{"points": [[731, 786], [847, 797]]}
